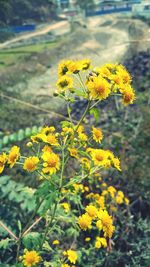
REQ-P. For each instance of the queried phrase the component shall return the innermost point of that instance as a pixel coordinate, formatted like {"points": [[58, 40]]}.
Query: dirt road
{"points": [[43, 31]]}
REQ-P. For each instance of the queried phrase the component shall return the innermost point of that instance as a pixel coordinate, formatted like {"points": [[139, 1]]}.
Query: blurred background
{"points": [[34, 37]]}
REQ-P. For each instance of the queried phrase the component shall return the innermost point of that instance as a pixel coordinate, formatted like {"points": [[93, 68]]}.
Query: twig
{"points": [[8, 230], [36, 222]]}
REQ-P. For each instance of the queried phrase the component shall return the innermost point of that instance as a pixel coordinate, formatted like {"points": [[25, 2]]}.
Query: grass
{"points": [[9, 57]]}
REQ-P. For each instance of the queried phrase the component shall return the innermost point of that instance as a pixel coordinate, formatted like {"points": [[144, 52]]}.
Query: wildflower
{"points": [[78, 187], [66, 206], [112, 191], [37, 137], [105, 218], [56, 242], [48, 130], [124, 74], [92, 211], [100, 242], [85, 221], [63, 67], [98, 88], [100, 157], [97, 135], [99, 225], [65, 82], [101, 202], [71, 255], [83, 137], [65, 265], [103, 71], [31, 258], [126, 200], [13, 156], [128, 95], [109, 230], [51, 139], [86, 163], [67, 130], [73, 152], [3, 159], [30, 164], [47, 148], [85, 64], [51, 162], [74, 66], [119, 197]]}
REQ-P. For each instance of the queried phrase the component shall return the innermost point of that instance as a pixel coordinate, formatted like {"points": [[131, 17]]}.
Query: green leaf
{"points": [[5, 140], [13, 137], [34, 129], [32, 240], [20, 135], [96, 113], [28, 132], [4, 243]]}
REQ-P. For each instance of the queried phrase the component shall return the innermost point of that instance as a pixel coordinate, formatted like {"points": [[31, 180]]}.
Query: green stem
{"points": [[83, 116], [58, 200]]}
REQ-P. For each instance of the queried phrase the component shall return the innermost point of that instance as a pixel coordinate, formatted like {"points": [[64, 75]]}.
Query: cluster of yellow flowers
{"points": [[100, 82], [52, 151]]}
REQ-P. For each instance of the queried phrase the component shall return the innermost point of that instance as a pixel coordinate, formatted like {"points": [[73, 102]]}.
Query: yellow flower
{"points": [[30, 164], [92, 211], [63, 67], [120, 197], [3, 159], [66, 206], [47, 148], [124, 74], [78, 187], [85, 221], [51, 162], [109, 230], [103, 71], [71, 255], [112, 191], [74, 66], [100, 157], [86, 163], [48, 130], [105, 218], [97, 135], [51, 139], [99, 225], [14, 155], [37, 138], [67, 130], [56, 242], [101, 202], [31, 258], [85, 64], [83, 137], [98, 88], [64, 82], [100, 242], [128, 95], [126, 200], [65, 265], [73, 152]]}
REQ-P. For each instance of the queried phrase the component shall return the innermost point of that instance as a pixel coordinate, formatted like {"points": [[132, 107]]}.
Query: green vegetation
{"points": [[8, 57]]}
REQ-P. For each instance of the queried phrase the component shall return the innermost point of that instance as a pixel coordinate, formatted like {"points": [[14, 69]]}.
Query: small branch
{"points": [[8, 231], [28, 230]]}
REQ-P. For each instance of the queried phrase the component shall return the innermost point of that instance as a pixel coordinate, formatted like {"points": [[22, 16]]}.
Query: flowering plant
{"points": [[69, 163]]}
